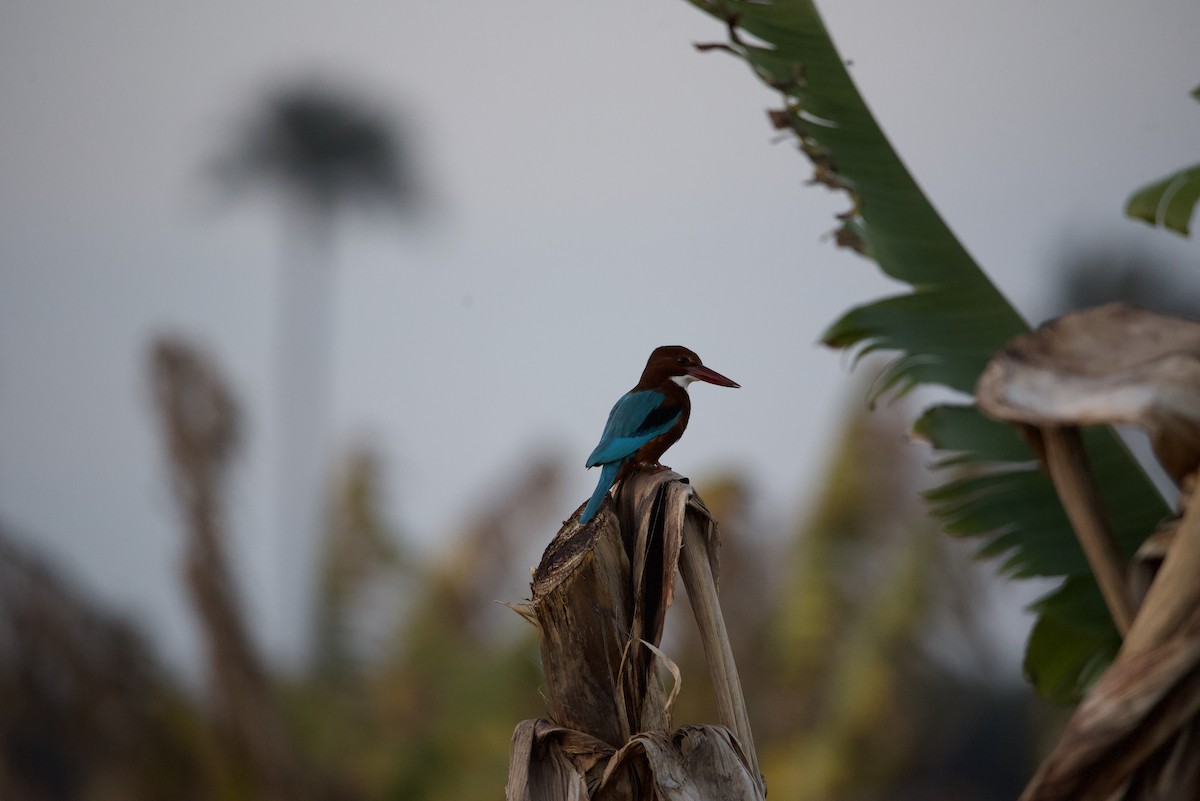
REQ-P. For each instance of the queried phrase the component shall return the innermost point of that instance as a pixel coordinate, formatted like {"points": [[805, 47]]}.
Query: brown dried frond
{"points": [[600, 597], [200, 424]]}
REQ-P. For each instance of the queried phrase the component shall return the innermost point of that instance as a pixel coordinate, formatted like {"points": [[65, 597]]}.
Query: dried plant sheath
{"points": [[582, 606], [551, 762], [1174, 595], [692, 763], [1134, 734], [600, 598], [699, 563], [1133, 711], [1113, 364]]}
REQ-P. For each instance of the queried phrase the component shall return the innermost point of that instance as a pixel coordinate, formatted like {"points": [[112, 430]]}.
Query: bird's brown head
{"points": [[677, 363]]}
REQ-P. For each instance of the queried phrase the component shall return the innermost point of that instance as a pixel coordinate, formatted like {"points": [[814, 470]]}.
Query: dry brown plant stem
{"points": [[1067, 463], [200, 426], [1174, 595], [701, 588]]}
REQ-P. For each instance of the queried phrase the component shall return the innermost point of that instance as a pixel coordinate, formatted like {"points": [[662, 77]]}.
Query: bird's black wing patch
{"points": [[663, 415]]}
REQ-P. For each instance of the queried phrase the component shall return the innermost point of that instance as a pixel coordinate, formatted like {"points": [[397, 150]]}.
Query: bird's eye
{"points": [[682, 360]]}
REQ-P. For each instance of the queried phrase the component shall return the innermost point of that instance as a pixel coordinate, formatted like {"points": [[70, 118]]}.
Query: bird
{"points": [[648, 419]]}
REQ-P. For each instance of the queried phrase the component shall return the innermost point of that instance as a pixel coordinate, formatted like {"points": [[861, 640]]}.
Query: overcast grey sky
{"points": [[601, 187]]}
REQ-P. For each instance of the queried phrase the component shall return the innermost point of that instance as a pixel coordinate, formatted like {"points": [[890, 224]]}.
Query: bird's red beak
{"points": [[702, 373]]}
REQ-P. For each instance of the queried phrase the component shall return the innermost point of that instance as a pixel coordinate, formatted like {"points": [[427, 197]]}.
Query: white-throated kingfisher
{"points": [[648, 419]]}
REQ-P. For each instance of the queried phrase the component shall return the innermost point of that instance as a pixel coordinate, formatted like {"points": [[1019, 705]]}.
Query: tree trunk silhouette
{"points": [[303, 400]]}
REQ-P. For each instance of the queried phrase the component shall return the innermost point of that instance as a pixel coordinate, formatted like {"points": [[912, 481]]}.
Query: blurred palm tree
{"points": [[320, 151]]}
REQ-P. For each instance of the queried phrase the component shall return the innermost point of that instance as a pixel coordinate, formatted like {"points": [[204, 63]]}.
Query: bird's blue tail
{"points": [[608, 474]]}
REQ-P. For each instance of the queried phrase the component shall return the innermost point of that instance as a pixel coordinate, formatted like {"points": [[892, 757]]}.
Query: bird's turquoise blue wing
{"points": [[637, 418]]}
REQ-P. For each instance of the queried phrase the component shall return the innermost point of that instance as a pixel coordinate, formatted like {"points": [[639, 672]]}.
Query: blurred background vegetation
{"points": [[859, 641], [860, 636], [416, 671], [864, 636]]}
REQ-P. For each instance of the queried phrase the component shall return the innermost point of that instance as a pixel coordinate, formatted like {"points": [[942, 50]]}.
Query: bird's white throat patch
{"points": [[682, 380]]}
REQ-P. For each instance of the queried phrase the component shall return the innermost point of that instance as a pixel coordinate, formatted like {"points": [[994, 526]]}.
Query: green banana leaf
{"points": [[945, 330], [1169, 202]]}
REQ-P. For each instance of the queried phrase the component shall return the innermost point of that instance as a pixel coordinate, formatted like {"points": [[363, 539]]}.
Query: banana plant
{"points": [[1170, 201], [944, 330]]}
